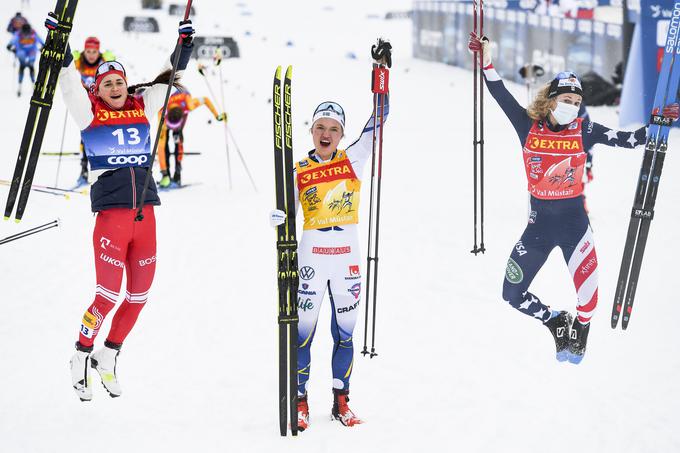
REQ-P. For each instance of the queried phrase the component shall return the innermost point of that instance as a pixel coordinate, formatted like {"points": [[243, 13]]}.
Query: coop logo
{"points": [[105, 115], [147, 261], [127, 160], [307, 273], [355, 290], [107, 259]]}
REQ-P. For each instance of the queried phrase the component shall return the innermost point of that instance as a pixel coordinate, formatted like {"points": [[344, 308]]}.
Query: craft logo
{"points": [[348, 309], [307, 273], [354, 271], [585, 247], [355, 290]]}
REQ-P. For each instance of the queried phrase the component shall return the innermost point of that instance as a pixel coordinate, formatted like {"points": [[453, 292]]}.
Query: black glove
{"points": [[51, 21], [382, 52], [186, 31], [11, 48], [68, 56]]}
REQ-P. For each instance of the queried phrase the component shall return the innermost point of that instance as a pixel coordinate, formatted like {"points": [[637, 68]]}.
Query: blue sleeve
{"points": [[515, 112], [184, 56], [40, 40], [594, 133]]}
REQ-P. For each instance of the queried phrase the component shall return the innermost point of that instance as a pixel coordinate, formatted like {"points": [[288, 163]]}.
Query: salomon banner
{"points": [[644, 61], [205, 47]]}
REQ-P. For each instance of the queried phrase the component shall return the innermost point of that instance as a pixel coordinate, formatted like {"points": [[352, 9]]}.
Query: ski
{"points": [[51, 58], [286, 246], [647, 188]]}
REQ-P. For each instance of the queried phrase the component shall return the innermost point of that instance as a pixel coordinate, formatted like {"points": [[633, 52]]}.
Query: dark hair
{"points": [[162, 78], [175, 114], [26, 28]]}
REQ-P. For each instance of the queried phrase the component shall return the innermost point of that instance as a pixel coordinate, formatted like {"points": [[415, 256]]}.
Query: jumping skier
{"points": [[114, 123], [328, 186], [24, 45], [554, 141], [87, 63], [179, 106]]}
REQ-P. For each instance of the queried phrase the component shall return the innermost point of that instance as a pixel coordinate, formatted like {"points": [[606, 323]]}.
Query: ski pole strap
{"points": [[661, 120], [645, 214], [380, 80]]}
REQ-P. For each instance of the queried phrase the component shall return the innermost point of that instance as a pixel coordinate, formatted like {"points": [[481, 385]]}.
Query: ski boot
{"points": [[177, 177], [341, 410], [303, 413], [79, 378], [104, 361], [165, 181], [558, 324], [578, 337]]}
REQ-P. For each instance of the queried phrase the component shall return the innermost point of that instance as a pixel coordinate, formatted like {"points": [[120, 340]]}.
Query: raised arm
{"points": [[154, 96], [76, 98], [595, 133], [359, 151]]}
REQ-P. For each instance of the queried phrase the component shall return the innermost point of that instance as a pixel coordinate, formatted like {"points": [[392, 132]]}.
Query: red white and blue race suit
{"points": [[117, 143], [554, 159]]}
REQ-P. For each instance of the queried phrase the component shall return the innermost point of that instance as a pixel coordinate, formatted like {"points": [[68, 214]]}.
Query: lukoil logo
{"points": [[106, 258], [122, 160]]}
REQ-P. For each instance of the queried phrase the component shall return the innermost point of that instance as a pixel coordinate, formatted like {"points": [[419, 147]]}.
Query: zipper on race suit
{"points": [[134, 188]]}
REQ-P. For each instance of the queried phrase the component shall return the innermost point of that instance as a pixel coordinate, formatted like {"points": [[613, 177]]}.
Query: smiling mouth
{"points": [[116, 96], [325, 142]]}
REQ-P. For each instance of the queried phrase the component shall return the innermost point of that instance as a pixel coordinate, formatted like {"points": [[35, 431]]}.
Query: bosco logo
{"points": [[123, 160]]}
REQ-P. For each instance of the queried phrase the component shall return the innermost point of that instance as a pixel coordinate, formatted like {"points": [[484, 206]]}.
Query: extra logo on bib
{"points": [[118, 138]]}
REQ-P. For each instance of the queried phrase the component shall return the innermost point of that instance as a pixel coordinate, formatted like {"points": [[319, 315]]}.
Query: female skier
{"points": [[179, 106], [114, 124], [24, 45], [554, 140], [328, 188]]}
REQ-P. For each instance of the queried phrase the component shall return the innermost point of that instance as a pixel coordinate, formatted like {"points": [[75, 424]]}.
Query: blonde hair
{"points": [[540, 107]]}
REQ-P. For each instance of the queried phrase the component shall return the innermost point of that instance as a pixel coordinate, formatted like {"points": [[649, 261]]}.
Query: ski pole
{"points": [[61, 148], [481, 131], [478, 129], [218, 60], [23, 234], [178, 47], [240, 155]]}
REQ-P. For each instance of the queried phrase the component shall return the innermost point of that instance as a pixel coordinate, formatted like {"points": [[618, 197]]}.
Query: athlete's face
{"points": [[326, 134], [91, 55], [568, 98], [113, 90]]}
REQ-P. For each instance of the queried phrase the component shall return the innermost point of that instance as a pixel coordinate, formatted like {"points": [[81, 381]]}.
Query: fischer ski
{"points": [[51, 59], [647, 187], [286, 247]]}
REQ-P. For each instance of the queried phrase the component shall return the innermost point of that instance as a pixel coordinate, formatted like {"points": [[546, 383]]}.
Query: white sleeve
{"points": [[154, 97], [76, 98]]}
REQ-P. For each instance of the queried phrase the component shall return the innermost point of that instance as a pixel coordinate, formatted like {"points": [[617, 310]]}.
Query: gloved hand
{"points": [[186, 31], [277, 217], [481, 44], [51, 21], [68, 56], [221, 117], [382, 52], [11, 48]]}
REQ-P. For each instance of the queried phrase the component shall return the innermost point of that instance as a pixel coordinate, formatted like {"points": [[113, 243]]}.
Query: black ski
{"points": [[51, 59], [286, 246]]}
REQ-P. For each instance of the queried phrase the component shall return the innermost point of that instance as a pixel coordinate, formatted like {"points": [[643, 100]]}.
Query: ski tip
{"points": [[6, 218], [278, 72], [289, 72], [17, 220]]}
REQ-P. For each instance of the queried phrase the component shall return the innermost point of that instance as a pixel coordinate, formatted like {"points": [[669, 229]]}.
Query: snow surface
{"points": [[458, 370]]}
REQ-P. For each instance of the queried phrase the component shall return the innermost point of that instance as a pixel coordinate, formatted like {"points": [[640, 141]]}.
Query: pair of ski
{"points": [[51, 59], [649, 177], [286, 247]]}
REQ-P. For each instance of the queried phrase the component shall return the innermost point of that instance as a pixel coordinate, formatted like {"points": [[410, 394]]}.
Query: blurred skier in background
{"points": [[15, 23], [24, 45], [113, 118], [328, 188], [554, 140], [87, 61], [179, 106]]}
